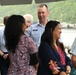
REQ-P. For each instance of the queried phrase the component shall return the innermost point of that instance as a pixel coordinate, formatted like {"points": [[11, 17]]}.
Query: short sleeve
{"points": [[73, 48], [33, 52], [32, 46]]}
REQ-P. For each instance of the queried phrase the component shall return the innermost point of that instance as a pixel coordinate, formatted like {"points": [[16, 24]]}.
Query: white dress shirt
{"points": [[2, 41]]}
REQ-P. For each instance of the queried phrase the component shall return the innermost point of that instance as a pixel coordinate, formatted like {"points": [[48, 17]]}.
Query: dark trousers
{"points": [[4, 65]]}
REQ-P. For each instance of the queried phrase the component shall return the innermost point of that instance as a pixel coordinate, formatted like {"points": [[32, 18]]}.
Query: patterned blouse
{"points": [[62, 56], [20, 60]]}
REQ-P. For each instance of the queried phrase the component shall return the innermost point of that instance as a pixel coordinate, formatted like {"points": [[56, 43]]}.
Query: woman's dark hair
{"points": [[47, 36], [13, 31]]}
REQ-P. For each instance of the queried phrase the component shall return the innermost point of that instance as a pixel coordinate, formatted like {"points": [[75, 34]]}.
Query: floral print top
{"points": [[19, 61], [62, 56]]}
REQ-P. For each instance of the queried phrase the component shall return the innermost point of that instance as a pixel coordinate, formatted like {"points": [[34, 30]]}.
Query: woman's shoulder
{"points": [[44, 44], [27, 38], [24, 36]]}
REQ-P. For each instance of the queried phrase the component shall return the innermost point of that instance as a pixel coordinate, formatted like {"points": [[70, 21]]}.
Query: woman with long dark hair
{"points": [[21, 48], [53, 59]]}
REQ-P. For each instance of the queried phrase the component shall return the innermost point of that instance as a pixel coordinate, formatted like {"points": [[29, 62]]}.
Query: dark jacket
{"points": [[46, 53]]}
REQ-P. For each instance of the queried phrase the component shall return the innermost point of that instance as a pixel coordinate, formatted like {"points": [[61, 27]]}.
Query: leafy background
{"points": [[64, 11]]}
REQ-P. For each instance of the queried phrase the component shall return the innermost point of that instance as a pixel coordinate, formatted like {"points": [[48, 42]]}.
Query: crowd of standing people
{"points": [[28, 48]]}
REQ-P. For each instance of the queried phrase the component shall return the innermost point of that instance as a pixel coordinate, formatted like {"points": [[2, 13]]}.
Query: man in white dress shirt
{"points": [[3, 51]]}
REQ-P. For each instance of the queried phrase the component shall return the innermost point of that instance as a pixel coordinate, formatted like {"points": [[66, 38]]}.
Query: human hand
{"points": [[5, 56], [62, 73], [68, 69]]}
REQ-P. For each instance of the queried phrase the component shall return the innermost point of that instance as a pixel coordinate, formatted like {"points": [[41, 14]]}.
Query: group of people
{"points": [[35, 48]]}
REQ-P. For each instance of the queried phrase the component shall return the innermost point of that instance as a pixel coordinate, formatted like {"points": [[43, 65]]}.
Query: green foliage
{"points": [[64, 11]]}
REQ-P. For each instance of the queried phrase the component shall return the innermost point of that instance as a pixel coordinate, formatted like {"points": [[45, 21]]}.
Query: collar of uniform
{"points": [[38, 24]]}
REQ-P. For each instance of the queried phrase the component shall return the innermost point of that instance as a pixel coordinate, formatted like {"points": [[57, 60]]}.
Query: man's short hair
{"points": [[42, 5]]}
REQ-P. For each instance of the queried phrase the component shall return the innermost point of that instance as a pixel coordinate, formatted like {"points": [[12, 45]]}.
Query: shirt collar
{"points": [[38, 24]]}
